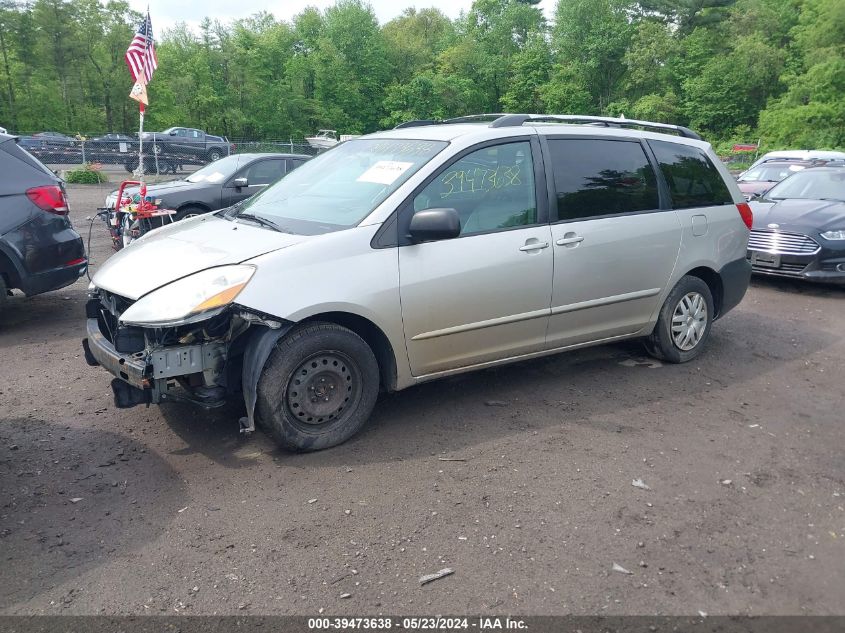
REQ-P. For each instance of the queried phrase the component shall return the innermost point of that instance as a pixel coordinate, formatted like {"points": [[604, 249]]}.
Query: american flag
{"points": [[141, 54]]}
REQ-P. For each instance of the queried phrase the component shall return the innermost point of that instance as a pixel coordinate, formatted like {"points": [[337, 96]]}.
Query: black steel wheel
{"points": [[318, 387]]}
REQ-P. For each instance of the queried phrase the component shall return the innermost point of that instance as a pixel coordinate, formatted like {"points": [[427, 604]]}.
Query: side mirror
{"points": [[434, 224], [172, 132], [237, 183]]}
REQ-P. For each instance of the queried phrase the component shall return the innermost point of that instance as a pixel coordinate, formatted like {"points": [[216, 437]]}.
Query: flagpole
{"points": [[141, 107]]}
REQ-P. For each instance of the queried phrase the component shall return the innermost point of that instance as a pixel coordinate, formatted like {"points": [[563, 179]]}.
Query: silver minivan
{"points": [[421, 252]]}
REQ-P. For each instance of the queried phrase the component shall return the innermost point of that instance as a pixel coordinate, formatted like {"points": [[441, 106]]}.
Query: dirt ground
{"points": [[163, 510]]}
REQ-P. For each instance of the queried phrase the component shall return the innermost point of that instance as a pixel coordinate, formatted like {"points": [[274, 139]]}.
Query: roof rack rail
{"points": [[513, 120], [516, 120], [417, 123], [470, 118]]}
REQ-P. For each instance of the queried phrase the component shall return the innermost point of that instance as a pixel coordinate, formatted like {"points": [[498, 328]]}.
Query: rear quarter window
{"points": [[692, 178]]}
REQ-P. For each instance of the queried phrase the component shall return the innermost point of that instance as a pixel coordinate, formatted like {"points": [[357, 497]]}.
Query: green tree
{"points": [[530, 71], [811, 113], [414, 40], [731, 89], [591, 38]]}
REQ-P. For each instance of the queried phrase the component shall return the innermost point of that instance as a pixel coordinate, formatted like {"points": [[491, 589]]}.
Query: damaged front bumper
{"points": [[202, 363], [153, 371]]}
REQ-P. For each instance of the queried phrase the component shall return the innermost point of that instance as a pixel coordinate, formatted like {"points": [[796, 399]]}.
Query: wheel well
{"points": [[373, 336], [196, 205], [714, 282]]}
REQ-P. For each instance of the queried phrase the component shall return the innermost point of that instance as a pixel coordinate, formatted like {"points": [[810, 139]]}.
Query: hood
{"points": [[755, 186], [163, 188], [803, 216], [183, 248]]}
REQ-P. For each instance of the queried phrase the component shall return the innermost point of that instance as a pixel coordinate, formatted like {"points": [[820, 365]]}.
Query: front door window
{"points": [[492, 189]]}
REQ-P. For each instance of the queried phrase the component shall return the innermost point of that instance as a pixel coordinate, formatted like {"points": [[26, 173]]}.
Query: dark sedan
{"points": [[219, 184], [799, 227]]}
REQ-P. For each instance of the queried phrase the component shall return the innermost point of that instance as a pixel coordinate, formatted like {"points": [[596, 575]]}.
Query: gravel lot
{"points": [[163, 510]]}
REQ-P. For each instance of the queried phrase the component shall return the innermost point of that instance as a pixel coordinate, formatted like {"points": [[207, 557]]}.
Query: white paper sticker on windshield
{"points": [[384, 172], [215, 177]]}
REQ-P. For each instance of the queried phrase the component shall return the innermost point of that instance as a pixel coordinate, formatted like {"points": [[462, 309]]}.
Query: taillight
{"points": [[48, 198], [745, 212]]}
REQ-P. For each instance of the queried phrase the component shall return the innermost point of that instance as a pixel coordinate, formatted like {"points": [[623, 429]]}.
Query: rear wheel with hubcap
{"points": [[684, 322], [318, 387]]}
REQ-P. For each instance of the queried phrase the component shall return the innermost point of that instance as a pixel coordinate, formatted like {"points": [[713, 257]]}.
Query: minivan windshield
{"points": [[341, 187]]}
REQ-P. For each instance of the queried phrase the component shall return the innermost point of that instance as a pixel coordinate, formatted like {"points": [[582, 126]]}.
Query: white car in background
{"points": [[798, 154]]}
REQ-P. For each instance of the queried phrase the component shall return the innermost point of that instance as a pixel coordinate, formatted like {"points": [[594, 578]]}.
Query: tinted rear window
{"points": [[693, 180], [601, 177], [21, 154]]}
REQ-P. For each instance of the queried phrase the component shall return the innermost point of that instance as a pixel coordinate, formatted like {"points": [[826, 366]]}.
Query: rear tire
{"points": [[4, 294], [214, 154], [684, 323], [318, 388]]}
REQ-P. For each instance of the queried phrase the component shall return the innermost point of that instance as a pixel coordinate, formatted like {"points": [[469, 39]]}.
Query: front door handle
{"points": [[533, 246], [570, 240]]}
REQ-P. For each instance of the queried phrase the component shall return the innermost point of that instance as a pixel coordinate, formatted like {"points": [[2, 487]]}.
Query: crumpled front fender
{"points": [[256, 353]]}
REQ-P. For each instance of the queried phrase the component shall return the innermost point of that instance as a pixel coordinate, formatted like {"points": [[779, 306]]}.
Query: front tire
{"points": [[318, 388], [684, 323], [188, 212]]}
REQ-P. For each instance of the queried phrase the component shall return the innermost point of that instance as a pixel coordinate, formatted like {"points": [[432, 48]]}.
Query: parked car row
{"points": [[799, 226], [773, 167], [166, 151]]}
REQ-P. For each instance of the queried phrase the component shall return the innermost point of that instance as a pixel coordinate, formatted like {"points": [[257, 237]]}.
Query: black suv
{"points": [[39, 250]]}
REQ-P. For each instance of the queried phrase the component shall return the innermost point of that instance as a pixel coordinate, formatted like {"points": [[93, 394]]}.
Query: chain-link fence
{"points": [[116, 154]]}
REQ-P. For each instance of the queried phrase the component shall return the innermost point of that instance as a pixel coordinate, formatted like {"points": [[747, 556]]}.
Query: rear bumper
{"points": [[52, 279], [736, 276]]}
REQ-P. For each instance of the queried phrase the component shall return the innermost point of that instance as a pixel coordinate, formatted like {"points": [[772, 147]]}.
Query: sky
{"points": [[166, 13]]}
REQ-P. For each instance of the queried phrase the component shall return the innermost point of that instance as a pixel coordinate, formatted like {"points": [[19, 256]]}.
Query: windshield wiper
{"points": [[262, 221]]}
